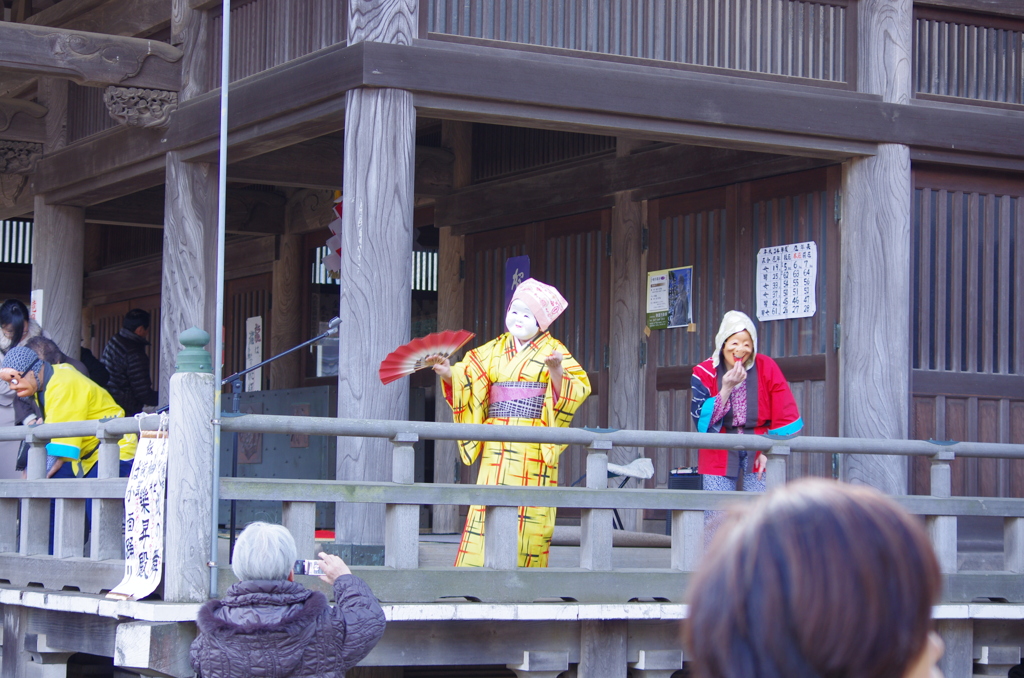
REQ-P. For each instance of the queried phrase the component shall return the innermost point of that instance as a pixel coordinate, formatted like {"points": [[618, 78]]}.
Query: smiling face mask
{"points": [[520, 321]]}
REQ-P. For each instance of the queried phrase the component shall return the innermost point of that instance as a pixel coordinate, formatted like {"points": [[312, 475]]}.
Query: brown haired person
{"points": [[817, 578]]}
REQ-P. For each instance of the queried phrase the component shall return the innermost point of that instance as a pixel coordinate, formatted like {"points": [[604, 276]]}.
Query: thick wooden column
{"points": [[188, 289], [625, 375], [376, 268], [58, 238], [457, 137], [286, 310], [874, 353]]}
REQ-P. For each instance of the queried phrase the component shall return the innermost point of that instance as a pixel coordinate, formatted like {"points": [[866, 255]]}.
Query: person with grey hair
{"points": [[269, 625]]}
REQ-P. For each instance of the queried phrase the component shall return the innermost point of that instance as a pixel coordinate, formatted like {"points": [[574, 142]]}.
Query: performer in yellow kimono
{"points": [[525, 377]]}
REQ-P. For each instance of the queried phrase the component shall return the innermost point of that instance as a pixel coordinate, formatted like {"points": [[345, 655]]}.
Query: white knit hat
{"points": [[733, 322]]}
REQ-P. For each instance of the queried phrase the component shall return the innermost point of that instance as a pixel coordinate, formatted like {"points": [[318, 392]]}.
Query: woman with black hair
{"points": [[16, 328]]}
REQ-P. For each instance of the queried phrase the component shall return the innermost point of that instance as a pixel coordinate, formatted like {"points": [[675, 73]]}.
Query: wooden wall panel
{"points": [[87, 114], [966, 268], [967, 311], [267, 33], [779, 37], [969, 56]]}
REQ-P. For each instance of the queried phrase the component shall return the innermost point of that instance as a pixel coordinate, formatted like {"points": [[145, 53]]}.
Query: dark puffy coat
{"points": [[125, 358], [275, 629]]}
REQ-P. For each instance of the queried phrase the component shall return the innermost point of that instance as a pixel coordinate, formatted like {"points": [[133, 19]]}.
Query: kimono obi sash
{"points": [[517, 399]]}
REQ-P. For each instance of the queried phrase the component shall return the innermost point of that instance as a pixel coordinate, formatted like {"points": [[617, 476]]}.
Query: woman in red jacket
{"points": [[738, 390]]}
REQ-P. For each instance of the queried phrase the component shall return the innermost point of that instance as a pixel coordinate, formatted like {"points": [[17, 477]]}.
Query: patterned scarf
{"points": [[23, 359]]}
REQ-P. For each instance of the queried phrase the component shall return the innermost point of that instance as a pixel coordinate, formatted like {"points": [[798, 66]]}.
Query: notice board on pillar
{"points": [[144, 502], [786, 277]]}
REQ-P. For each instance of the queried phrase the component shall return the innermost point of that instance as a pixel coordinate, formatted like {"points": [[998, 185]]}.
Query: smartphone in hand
{"points": [[310, 567]]}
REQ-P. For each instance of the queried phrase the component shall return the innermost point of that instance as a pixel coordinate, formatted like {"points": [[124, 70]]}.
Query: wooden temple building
{"points": [[603, 139]]}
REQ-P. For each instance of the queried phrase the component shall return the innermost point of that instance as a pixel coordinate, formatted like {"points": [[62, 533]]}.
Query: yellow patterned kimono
{"points": [[495, 372]]}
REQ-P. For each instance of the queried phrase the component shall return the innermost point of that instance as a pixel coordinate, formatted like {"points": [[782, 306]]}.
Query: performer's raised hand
{"points": [[554, 365], [736, 376], [554, 360], [441, 366]]}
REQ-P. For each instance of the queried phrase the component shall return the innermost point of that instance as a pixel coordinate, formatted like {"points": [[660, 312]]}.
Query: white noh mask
{"points": [[520, 321]]}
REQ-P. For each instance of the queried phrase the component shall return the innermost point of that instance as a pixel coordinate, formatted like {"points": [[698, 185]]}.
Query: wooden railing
{"points": [[23, 559]]}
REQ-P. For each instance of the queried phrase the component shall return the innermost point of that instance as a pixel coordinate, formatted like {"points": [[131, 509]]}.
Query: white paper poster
{"points": [[786, 277], [35, 306], [144, 520], [253, 352]]}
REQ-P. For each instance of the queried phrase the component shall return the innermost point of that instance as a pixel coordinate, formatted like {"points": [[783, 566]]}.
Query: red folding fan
{"points": [[413, 356]]}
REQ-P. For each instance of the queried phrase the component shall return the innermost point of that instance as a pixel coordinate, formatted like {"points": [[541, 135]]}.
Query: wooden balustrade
{"points": [[595, 579]]}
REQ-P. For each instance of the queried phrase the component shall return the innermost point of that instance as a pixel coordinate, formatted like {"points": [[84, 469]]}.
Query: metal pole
{"points": [[218, 331]]}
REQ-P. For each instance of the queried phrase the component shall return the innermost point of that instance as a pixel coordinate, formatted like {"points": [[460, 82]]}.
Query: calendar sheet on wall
{"points": [[786, 278]]}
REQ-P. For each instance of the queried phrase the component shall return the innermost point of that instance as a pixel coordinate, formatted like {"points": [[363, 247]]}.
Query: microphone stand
{"points": [[237, 387]]}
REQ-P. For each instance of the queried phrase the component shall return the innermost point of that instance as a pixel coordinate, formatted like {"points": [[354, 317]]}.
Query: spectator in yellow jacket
{"points": [[63, 394]]}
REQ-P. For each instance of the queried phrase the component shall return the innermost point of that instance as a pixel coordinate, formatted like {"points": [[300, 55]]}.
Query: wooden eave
{"points": [[305, 99], [95, 59]]}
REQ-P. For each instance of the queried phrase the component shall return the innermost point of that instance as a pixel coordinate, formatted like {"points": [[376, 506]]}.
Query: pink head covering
{"points": [[544, 301]]}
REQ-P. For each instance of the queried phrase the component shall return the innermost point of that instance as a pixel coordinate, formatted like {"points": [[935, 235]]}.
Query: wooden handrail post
{"points": [[775, 474], [402, 521], [501, 537], [105, 541], [687, 539], [596, 524], [35, 513], [942, 529], [189, 473], [300, 519]]}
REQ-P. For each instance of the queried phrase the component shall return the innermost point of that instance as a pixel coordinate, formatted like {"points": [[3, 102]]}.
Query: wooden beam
{"points": [[117, 162], [248, 211], [598, 178], [275, 109], [130, 18], [294, 103], [143, 209], [318, 163], [998, 7], [93, 59]]}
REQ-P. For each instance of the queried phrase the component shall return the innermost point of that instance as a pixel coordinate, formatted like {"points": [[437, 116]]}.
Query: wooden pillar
{"points": [[189, 475], [458, 138], [376, 268], [58, 239], [625, 374], [602, 648], [286, 311], [958, 636], [188, 289], [15, 657], [874, 353]]}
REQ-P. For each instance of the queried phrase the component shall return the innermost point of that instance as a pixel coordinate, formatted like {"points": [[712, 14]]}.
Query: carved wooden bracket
{"points": [[93, 59], [19, 157], [12, 107], [11, 188], [137, 107]]}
